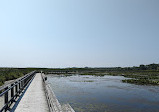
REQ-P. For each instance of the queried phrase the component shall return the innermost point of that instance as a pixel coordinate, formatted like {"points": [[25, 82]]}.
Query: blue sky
{"points": [[78, 33]]}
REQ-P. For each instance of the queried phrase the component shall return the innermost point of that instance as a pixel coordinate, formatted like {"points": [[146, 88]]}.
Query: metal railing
{"points": [[10, 92]]}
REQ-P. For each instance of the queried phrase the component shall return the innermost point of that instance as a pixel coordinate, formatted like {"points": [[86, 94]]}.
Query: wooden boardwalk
{"points": [[34, 100], [39, 97]]}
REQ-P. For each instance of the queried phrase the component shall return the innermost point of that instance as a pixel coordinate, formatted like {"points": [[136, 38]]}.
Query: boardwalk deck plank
{"points": [[34, 100]]}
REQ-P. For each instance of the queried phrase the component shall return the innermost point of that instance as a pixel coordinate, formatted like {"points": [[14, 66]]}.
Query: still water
{"points": [[104, 94]]}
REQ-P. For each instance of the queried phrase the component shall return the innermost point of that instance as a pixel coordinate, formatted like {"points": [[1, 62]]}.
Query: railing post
{"points": [[6, 98], [16, 89], [19, 87], [12, 91], [22, 84]]}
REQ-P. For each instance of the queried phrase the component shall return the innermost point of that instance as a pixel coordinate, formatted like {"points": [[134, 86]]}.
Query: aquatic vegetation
{"points": [[147, 74], [83, 107], [88, 81], [93, 74], [82, 80], [139, 77], [141, 81]]}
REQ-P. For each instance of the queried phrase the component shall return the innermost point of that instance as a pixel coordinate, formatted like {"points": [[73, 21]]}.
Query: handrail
{"points": [[5, 85], [16, 82], [16, 88]]}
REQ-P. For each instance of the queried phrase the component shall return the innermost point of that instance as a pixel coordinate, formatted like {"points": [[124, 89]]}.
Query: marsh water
{"points": [[86, 93]]}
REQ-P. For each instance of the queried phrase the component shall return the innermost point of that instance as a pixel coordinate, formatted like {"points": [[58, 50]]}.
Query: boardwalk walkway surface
{"points": [[34, 100]]}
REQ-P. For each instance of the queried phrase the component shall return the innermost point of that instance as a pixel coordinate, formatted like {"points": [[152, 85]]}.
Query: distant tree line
{"points": [[150, 67], [142, 67]]}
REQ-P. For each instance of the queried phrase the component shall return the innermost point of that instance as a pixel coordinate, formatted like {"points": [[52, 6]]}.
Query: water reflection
{"points": [[99, 94]]}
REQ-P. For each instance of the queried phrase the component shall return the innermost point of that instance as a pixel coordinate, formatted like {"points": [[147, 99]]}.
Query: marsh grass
{"points": [[138, 77]]}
